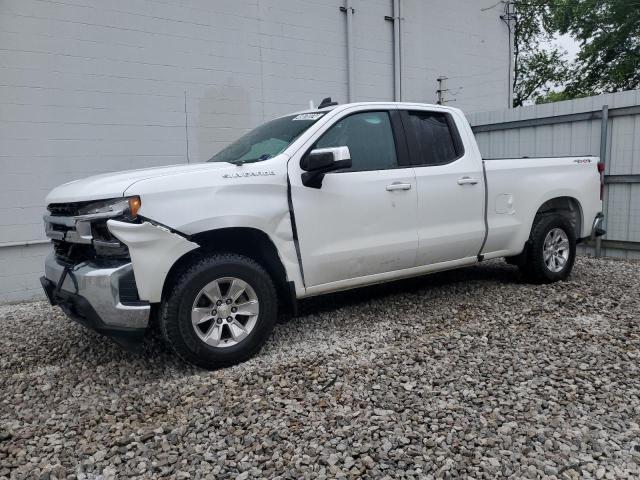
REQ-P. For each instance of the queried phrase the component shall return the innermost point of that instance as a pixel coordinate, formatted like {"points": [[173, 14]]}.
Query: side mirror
{"points": [[320, 161]]}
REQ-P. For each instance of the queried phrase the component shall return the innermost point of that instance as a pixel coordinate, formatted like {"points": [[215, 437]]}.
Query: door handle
{"points": [[398, 186], [467, 181]]}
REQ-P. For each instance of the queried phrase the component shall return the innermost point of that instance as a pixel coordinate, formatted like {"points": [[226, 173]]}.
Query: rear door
{"points": [[361, 221], [450, 188]]}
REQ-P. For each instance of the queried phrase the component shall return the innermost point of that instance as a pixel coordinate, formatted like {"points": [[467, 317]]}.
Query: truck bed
{"points": [[517, 186]]}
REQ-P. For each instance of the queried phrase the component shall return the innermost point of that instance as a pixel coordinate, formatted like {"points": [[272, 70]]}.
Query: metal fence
{"points": [[605, 125]]}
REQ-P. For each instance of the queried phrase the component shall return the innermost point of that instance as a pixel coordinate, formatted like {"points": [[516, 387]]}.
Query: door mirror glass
{"points": [[320, 161]]}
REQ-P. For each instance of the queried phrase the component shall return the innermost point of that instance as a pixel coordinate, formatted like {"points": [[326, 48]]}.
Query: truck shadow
{"points": [[156, 352], [492, 271]]}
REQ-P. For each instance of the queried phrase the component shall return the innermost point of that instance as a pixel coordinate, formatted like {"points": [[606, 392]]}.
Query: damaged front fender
{"points": [[153, 251]]}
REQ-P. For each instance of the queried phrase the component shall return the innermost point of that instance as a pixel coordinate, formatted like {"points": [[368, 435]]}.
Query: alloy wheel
{"points": [[556, 250], [225, 312]]}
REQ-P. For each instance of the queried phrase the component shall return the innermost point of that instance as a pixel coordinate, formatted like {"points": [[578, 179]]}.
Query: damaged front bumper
{"points": [[104, 295], [103, 299]]}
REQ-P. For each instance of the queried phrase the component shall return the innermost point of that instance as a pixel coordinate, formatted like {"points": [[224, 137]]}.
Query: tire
{"points": [[557, 230], [221, 340]]}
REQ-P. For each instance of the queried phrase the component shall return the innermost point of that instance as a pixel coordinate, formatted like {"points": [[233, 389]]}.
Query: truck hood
{"points": [[111, 185]]}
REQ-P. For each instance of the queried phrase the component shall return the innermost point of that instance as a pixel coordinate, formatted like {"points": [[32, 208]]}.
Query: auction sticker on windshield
{"points": [[308, 116]]}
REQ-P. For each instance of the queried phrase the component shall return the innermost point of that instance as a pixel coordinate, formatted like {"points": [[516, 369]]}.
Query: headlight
{"points": [[115, 207]]}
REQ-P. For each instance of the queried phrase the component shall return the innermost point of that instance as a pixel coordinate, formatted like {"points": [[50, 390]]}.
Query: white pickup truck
{"points": [[306, 204]]}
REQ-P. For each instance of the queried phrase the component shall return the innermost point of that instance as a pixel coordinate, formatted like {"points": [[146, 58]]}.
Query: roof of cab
{"points": [[343, 106]]}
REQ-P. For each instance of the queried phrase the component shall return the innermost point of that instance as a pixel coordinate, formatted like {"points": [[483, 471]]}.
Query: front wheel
{"points": [[220, 311], [552, 250]]}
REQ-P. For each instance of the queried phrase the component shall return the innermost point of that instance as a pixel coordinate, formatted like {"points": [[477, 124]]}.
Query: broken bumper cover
{"points": [[92, 296], [596, 228]]}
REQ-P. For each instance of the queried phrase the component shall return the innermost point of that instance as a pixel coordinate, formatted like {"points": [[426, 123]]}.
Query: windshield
{"points": [[267, 140]]}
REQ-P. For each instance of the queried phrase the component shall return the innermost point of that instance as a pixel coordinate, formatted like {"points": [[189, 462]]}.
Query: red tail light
{"points": [[601, 172]]}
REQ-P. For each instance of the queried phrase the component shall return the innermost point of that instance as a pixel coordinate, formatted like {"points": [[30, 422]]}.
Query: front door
{"points": [[362, 220]]}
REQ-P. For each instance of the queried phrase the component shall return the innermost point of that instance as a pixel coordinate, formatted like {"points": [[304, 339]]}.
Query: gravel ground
{"points": [[466, 373]]}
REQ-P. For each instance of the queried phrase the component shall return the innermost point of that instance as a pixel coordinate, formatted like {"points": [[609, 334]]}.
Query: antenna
{"points": [[326, 102], [441, 90]]}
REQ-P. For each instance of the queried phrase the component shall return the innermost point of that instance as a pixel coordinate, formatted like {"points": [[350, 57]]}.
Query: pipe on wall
{"points": [[24, 243], [350, 55], [509, 17], [397, 53]]}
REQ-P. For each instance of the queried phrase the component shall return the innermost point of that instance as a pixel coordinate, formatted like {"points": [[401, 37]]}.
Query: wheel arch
{"points": [[250, 242], [567, 206]]}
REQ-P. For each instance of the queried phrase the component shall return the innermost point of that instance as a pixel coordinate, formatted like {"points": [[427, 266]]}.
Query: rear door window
{"points": [[435, 138]]}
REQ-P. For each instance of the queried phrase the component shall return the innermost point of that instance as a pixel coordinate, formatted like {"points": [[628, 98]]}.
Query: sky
{"points": [[569, 44]]}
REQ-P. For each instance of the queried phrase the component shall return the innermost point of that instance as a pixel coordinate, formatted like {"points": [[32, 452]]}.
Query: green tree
{"points": [[539, 68], [540, 74], [609, 36], [608, 32]]}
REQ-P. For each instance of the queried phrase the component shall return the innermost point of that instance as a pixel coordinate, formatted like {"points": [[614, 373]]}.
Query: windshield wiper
{"points": [[261, 158], [242, 162]]}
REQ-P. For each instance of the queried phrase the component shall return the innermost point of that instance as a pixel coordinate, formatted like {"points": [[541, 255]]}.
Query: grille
{"points": [[105, 248], [67, 209], [128, 289], [72, 253]]}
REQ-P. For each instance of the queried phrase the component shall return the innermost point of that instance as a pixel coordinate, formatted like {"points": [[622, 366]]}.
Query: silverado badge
{"points": [[249, 174]]}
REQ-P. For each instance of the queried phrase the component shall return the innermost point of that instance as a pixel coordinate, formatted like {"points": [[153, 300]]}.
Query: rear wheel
{"points": [[220, 311], [552, 250]]}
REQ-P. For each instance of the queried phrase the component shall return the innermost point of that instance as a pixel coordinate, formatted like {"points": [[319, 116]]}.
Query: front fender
{"points": [[153, 251]]}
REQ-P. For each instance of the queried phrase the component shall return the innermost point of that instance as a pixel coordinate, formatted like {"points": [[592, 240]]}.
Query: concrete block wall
{"points": [[460, 41], [88, 86]]}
